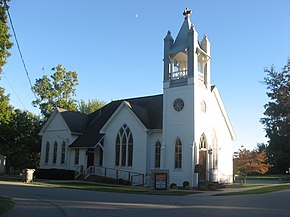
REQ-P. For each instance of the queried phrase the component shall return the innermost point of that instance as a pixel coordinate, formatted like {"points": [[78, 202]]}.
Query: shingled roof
{"points": [[148, 109], [75, 121]]}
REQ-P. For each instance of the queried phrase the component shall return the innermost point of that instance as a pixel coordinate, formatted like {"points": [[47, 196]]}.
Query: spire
{"points": [[168, 37], [181, 39]]}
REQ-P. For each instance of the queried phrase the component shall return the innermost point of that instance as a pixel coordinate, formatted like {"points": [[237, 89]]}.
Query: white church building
{"points": [[184, 130]]}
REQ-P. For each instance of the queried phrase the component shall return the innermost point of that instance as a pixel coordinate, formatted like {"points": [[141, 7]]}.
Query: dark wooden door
{"points": [[90, 160], [202, 173]]}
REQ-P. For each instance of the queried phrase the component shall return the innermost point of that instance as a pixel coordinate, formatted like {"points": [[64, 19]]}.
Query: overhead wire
{"points": [[19, 50], [14, 91]]}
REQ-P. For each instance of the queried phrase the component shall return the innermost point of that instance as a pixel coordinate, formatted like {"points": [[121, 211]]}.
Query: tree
{"points": [[5, 44], [19, 140], [56, 91], [5, 108], [90, 106], [277, 116], [248, 162]]}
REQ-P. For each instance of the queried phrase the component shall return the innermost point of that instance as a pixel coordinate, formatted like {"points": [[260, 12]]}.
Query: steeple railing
{"points": [[179, 74]]}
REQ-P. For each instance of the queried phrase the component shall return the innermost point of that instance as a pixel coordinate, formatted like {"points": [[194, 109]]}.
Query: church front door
{"points": [[202, 173], [90, 158]]}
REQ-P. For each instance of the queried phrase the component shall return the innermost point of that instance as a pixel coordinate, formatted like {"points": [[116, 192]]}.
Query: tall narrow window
{"points": [[178, 154], [62, 153], [54, 153], [157, 154], [124, 150], [117, 151], [130, 150], [77, 156], [46, 152], [124, 147]]}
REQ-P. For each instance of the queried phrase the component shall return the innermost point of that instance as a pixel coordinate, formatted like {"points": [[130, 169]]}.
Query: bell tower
{"points": [[186, 85], [185, 58]]}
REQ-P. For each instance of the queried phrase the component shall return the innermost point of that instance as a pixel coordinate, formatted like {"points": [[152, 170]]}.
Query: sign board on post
{"points": [[159, 179]]}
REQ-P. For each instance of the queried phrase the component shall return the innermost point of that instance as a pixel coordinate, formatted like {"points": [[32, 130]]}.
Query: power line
{"points": [[19, 50], [14, 91]]}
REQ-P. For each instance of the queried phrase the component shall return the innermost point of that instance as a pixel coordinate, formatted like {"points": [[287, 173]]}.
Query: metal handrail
{"points": [[78, 171], [115, 174]]}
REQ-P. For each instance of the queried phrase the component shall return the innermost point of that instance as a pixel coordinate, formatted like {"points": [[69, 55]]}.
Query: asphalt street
{"points": [[32, 201]]}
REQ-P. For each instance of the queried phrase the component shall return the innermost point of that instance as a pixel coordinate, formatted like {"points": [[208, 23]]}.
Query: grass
{"points": [[262, 190], [6, 204], [270, 177], [238, 185], [116, 189]]}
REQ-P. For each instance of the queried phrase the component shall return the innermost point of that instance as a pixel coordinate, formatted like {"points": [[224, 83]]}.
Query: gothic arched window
{"points": [[203, 143], [124, 147], [54, 152], [62, 153], [157, 154], [47, 152], [178, 154]]}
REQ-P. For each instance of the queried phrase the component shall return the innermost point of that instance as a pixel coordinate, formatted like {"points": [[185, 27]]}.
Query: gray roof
{"points": [[75, 121], [148, 109]]}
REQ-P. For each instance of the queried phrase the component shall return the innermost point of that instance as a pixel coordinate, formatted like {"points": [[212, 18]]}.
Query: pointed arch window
{"points": [[124, 147], [203, 143], [77, 156], [157, 154], [62, 153], [178, 154], [47, 152], [54, 152]]}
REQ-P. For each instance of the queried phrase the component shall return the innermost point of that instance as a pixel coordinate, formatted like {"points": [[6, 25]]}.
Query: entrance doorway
{"points": [[99, 156], [90, 157], [202, 162]]}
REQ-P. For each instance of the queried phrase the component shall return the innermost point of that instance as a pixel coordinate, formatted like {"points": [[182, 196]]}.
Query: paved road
{"points": [[32, 201]]}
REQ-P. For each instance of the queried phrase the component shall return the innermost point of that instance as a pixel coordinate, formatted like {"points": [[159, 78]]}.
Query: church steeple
{"points": [[185, 60]]}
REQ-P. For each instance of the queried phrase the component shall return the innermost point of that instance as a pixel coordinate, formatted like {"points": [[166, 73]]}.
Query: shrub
{"points": [[186, 185], [173, 186]]}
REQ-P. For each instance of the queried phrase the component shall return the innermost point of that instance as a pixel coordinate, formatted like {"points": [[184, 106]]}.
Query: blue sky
{"points": [[116, 47]]}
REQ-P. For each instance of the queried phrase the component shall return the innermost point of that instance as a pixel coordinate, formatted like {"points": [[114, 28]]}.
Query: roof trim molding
{"points": [[126, 105], [223, 111]]}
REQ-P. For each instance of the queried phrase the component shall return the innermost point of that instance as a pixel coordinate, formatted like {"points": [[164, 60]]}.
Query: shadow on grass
{"points": [[116, 189]]}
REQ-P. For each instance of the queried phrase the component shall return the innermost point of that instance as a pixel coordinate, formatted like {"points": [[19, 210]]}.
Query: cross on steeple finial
{"points": [[186, 13]]}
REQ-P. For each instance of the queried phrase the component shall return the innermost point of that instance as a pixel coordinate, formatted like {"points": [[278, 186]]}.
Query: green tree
{"points": [[19, 140], [90, 106], [277, 116], [5, 108], [248, 162], [56, 91], [5, 43]]}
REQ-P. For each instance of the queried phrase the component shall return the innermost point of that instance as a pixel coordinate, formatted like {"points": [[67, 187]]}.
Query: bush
{"points": [[54, 174], [186, 185], [173, 186]]}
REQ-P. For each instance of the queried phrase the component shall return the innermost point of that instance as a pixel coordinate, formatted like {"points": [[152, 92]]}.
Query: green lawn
{"points": [[269, 177], [238, 185], [262, 190], [5, 204], [118, 189]]}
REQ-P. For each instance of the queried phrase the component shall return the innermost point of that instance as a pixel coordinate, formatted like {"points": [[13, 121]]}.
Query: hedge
{"points": [[54, 174]]}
